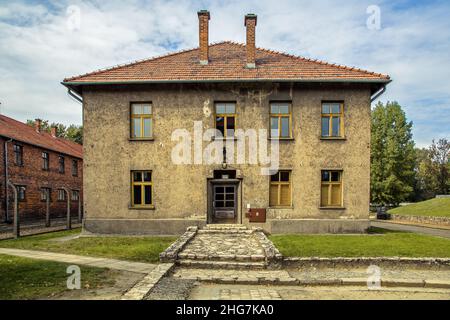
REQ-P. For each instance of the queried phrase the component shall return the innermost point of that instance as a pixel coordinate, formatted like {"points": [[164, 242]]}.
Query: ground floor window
{"points": [[280, 189], [331, 191], [75, 195], [61, 195], [45, 192], [141, 189], [21, 192]]}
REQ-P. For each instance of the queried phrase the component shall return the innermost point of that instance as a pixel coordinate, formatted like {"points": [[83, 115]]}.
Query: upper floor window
{"points": [[18, 154], [280, 189], [332, 119], [226, 118], [61, 164], [331, 190], [45, 160], [141, 189], [21, 190], [280, 120], [141, 121], [74, 168]]}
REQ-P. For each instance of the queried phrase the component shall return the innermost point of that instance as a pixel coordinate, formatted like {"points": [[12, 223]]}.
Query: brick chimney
{"points": [[203, 21], [250, 23], [53, 132], [38, 125]]}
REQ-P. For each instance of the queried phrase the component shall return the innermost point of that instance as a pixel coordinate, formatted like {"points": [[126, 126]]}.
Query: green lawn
{"points": [[143, 249], [23, 278], [433, 207], [377, 244]]}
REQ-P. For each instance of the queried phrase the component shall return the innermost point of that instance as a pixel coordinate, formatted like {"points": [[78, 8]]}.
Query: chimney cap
{"points": [[204, 12], [249, 16]]}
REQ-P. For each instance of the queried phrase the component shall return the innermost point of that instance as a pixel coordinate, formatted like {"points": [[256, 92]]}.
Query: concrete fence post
{"points": [[68, 219], [79, 208], [16, 230], [47, 208]]}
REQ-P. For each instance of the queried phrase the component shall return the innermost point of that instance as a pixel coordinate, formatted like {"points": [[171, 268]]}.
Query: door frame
{"points": [[215, 182]]}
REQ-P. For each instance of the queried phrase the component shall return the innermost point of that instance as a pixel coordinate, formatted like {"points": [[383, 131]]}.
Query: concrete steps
{"points": [[211, 264]]}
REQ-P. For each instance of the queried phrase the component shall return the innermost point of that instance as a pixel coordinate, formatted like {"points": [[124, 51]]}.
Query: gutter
{"points": [[6, 179], [74, 95], [377, 94]]}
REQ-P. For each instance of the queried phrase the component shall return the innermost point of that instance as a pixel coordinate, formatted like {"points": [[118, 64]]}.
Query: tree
{"points": [[392, 155], [72, 132], [433, 170]]}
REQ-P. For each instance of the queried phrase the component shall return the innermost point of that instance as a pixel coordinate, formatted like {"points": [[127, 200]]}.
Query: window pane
{"points": [[273, 195], [229, 204], [220, 125], [229, 189], [148, 195], [325, 175], [137, 176], [230, 108], [335, 176], [146, 109], [285, 127], [274, 108], [137, 190], [220, 196], [147, 127], [284, 108], [136, 109], [136, 127], [219, 204], [325, 108], [284, 176], [220, 189], [230, 196], [335, 127], [325, 126], [147, 176], [336, 108], [324, 196], [230, 126], [274, 127], [285, 195], [220, 108], [275, 177], [336, 195]]}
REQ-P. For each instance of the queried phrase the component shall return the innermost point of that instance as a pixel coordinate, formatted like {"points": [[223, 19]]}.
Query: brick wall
{"points": [[34, 178]]}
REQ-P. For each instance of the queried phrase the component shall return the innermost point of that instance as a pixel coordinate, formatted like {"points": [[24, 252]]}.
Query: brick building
{"points": [[36, 162]]}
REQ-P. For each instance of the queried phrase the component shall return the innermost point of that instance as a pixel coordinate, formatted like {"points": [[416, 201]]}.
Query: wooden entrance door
{"points": [[224, 203]]}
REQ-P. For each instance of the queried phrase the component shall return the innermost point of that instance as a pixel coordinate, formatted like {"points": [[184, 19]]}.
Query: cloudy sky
{"points": [[42, 42]]}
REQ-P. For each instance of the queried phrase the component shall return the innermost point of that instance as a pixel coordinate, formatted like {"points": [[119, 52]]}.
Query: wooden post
{"points": [[16, 230], [68, 219], [47, 208], [79, 208]]}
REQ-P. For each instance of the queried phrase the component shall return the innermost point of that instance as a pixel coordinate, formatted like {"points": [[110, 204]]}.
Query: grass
{"points": [[143, 249], [438, 207], [380, 243], [23, 278]]}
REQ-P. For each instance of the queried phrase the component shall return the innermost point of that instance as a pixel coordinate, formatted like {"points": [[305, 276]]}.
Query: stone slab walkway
{"points": [[137, 267]]}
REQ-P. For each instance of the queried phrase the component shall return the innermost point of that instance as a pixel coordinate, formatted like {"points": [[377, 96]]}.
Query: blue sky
{"points": [[41, 43]]}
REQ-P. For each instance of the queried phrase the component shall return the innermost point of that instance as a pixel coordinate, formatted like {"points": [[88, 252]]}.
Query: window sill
{"points": [[333, 138], [141, 208], [281, 139], [141, 139], [281, 207], [224, 139], [332, 208]]}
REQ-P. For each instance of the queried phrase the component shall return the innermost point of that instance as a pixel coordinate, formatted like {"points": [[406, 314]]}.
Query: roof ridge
{"points": [[135, 62]]}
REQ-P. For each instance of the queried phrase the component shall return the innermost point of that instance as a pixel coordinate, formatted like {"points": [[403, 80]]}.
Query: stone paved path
{"points": [[138, 267], [439, 232]]}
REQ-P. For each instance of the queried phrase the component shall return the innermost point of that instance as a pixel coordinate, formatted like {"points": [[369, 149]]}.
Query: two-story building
{"points": [[40, 165], [184, 139]]}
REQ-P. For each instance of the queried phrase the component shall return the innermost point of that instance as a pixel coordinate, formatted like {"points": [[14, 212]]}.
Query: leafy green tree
{"points": [[392, 155], [72, 132]]}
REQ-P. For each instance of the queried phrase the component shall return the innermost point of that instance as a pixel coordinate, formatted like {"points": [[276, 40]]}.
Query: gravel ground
{"points": [[170, 288]]}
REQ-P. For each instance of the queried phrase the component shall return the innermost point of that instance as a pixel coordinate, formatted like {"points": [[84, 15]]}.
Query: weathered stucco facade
{"points": [[180, 192]]}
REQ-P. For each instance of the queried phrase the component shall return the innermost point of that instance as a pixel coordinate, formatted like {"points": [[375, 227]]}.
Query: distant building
{"points": [[36, 162]]}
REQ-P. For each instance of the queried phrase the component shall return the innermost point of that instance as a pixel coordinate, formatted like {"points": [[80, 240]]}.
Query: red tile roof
{"points": [[227, 63], [22, 132]]}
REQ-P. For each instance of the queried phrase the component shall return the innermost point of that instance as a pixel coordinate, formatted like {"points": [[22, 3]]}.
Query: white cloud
{"points": [[37, 49]]}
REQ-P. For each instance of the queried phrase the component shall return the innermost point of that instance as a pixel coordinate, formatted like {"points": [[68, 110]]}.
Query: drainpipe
{"points": [[6, 179], [378, 93], [74, 95]]}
